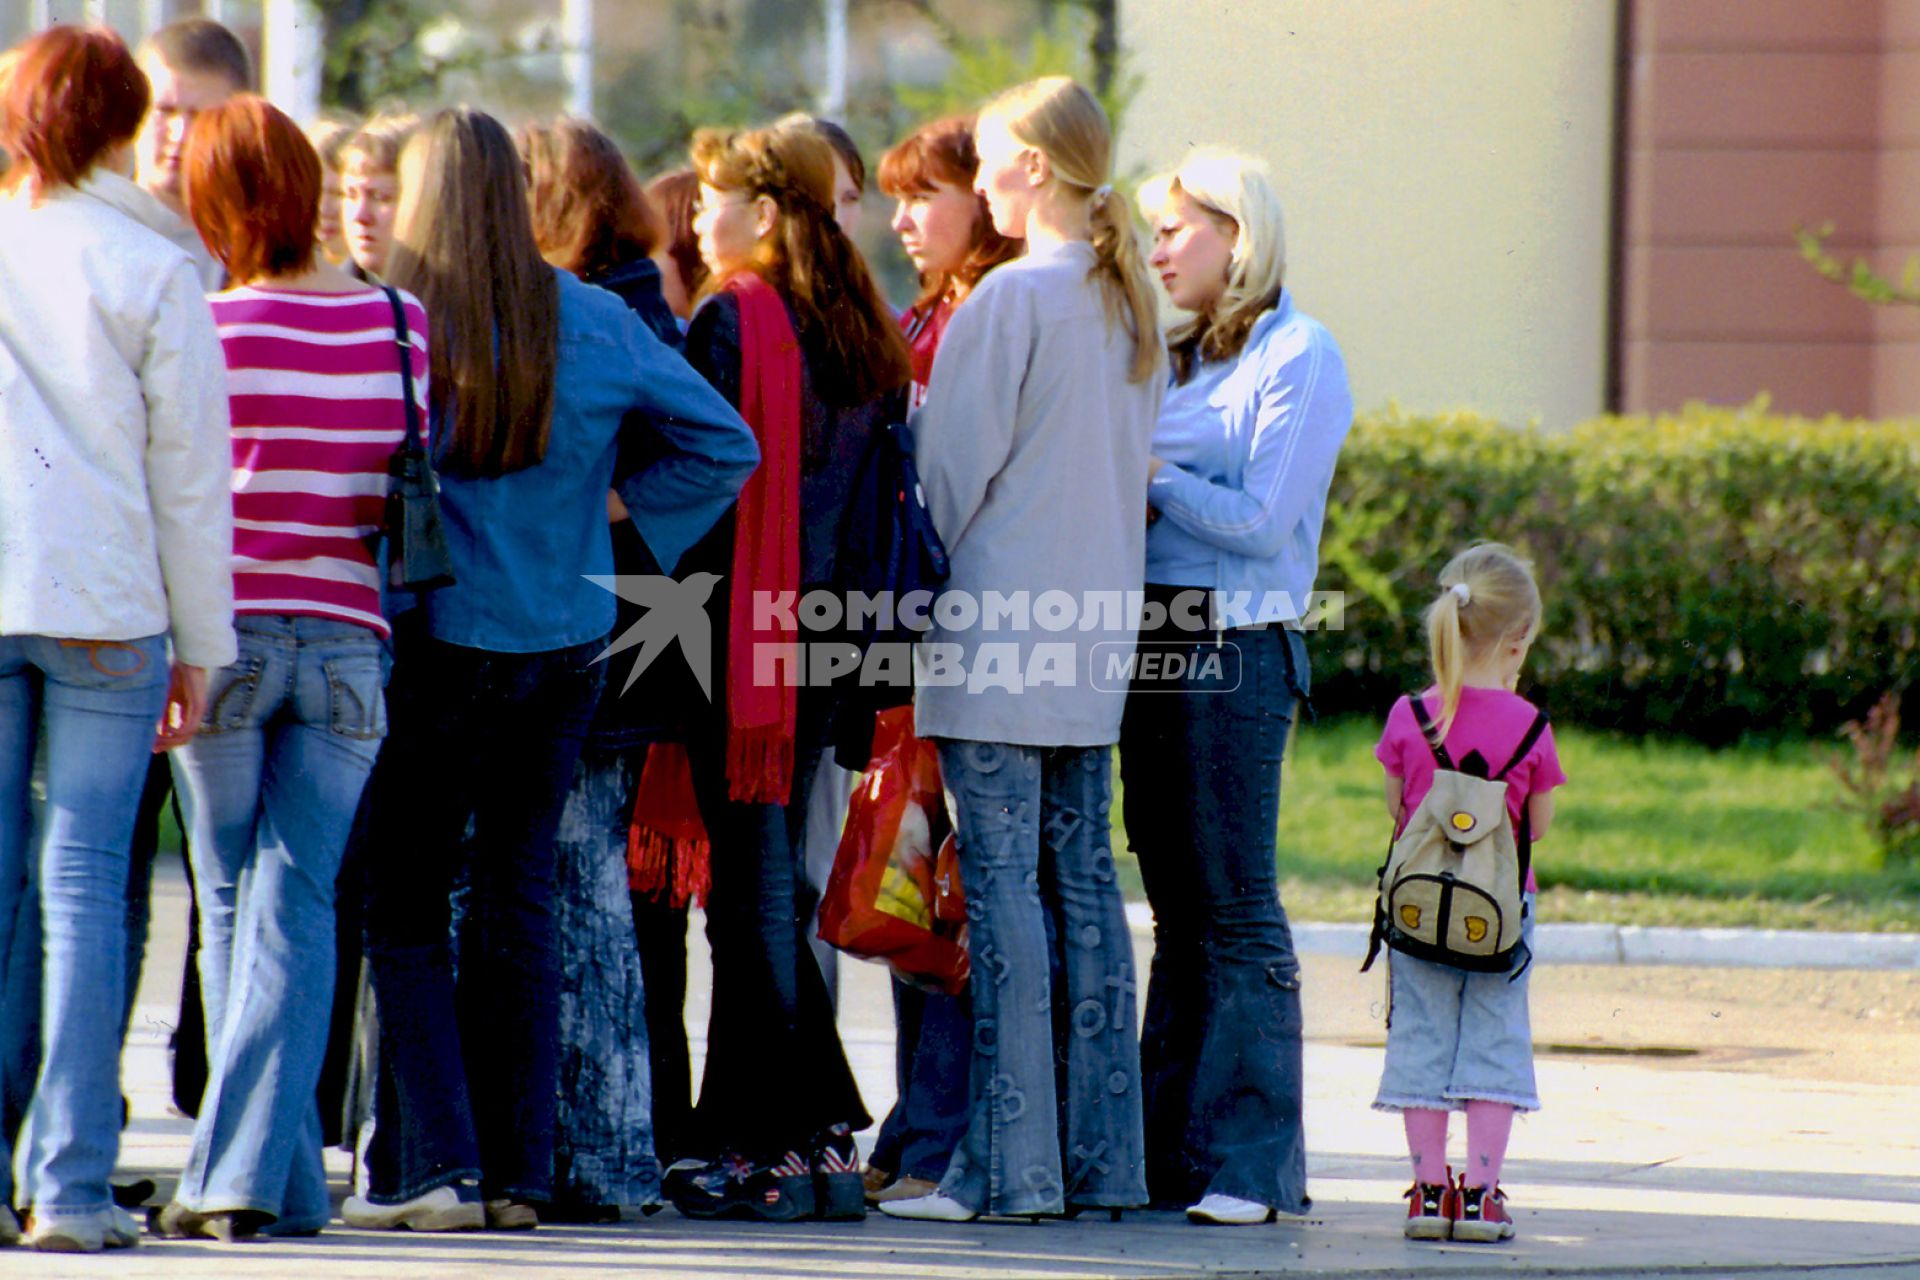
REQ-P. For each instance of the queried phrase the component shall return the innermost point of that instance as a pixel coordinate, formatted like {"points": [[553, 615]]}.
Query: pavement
{"points": [[1698, 1122]]}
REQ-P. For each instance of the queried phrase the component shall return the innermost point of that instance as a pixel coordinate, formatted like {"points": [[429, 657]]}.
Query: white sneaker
{"points": [[440, 1209], [1229, 1211], [933, 1208], [113, 1228], [9, 1226]]}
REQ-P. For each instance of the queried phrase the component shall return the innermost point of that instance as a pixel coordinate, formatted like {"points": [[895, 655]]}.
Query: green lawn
{"points": [[1645, 833]]}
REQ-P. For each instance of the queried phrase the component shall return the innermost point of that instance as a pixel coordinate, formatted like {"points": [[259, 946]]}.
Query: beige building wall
{"points": [[1446, 167]]}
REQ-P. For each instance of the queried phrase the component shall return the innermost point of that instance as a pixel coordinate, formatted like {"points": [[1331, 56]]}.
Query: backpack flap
{"points": [[1469, 809], [1450, 891]]}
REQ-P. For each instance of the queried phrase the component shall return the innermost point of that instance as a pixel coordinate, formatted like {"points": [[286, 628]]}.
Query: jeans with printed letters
{"points": [[93, 707], [1036, 864], [268, 791], [1221, 1049]]}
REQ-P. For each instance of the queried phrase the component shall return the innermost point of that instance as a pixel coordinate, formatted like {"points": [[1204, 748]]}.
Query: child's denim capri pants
{"points": [[1455, 1036]]}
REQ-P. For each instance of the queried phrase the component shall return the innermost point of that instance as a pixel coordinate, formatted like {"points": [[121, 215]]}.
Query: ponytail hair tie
{"points": [[1463, 593], [1102, 192]]}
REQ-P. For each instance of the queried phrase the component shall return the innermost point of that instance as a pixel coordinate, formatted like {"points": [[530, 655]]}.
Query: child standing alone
{"points": [[1459, 1039]]}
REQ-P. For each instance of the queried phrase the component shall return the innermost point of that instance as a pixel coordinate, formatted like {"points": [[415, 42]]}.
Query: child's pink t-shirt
{"points": [[1490, 721]]}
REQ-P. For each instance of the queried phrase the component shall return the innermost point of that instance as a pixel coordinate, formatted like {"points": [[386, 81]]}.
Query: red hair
{"points": [[70, 95], [943, 152], [673, 195], [589, 213], [253, 188]]}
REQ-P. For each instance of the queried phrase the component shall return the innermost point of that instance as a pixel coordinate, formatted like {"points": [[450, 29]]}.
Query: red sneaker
{"points": [[1483, 1215], [1431, 1209]]}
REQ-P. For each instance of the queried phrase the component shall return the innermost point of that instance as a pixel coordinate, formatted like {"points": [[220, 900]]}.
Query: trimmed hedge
{"points": [[1712, 573]]}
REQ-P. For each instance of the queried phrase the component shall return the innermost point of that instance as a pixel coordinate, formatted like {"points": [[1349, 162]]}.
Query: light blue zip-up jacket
{"points": [[1248, 447]]}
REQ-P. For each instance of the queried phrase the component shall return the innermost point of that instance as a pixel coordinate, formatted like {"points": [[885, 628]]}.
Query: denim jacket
{"points": [[523, 543], [1248, 447]]}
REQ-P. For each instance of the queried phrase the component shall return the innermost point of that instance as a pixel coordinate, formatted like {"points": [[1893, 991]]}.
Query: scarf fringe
{"points": [[760, 765], [676, 871]]}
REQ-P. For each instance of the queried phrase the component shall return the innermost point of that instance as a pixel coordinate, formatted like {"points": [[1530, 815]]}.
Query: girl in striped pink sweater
{"points": [[270, 785]]}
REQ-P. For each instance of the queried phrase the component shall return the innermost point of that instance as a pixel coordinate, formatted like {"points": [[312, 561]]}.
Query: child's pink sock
{"points": [[1427, 1143], [1489, 1125]]}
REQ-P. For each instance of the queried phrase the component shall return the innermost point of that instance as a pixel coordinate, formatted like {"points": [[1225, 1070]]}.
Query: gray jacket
{"points": [[1032, 449]]}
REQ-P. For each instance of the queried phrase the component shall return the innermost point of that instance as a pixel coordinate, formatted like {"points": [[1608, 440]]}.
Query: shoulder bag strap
{"points": [[1429, 731], [403, 339]]}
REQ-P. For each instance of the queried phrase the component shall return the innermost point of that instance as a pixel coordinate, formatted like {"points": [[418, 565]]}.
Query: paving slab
{"points": [[1697, 1123]]}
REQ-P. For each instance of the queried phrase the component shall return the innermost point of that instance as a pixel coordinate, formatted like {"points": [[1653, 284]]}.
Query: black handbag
{"points": [[417, 555]]}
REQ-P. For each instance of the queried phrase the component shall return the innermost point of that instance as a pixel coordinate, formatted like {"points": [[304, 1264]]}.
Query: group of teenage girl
{"points": [[217, 331]]}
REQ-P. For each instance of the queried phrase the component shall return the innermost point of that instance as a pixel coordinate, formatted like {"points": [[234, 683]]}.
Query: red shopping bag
{"points": [[882, 897]]}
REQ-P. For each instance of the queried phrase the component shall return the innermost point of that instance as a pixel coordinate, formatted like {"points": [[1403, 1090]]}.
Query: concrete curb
{"points": [[1650, 944]]}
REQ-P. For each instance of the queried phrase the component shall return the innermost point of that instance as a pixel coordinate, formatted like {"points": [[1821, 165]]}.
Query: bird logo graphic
{"points": [[674, 611]]}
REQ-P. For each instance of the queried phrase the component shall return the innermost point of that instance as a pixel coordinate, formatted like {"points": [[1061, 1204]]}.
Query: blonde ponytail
{"points": [[1124, 283], [1487, 598], [1444, 646], [1057, 116]]}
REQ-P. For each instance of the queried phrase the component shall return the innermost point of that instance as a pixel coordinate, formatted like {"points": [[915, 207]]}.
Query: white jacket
{"points": [[116, 464]]}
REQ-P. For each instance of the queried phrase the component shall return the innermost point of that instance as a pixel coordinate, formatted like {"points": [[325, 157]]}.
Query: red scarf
{"points": [[667, 847]]}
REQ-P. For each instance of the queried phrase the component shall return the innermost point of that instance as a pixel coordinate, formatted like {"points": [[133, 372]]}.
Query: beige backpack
{"points": [[1452, 890]]}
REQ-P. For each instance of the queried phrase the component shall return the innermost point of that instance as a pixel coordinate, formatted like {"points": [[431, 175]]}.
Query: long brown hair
{"points": [[463, 244], [1058, 117], [859, 352], [943, 151], [589, 213]]}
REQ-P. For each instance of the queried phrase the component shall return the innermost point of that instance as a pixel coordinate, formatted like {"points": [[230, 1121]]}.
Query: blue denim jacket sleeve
{"points": [[710, 451], [1302, 411]]}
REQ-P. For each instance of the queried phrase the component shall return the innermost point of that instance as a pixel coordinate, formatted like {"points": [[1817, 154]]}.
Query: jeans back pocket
{"points": [[356, 696]]}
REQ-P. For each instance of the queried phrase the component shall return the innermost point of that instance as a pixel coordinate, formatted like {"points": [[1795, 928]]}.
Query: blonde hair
{"points": [[330, 138], [1237, 189], [1487, 598], [1056, 116], [379, 142]]}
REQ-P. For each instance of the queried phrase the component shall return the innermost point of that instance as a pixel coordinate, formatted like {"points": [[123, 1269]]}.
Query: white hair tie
{"points": [[1463, 593], [1101, 192]]}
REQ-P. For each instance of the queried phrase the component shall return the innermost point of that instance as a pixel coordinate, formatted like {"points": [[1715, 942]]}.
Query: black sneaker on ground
{"points": [[735, 1187], [1483, 1215], [838, 1193]]}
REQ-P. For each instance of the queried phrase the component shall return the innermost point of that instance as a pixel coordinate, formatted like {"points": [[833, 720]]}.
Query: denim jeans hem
{"points": [[423, 1185], [68, 1212], [1409, 1102], [1460, 1095], [522, 1195], [212, 1203]]}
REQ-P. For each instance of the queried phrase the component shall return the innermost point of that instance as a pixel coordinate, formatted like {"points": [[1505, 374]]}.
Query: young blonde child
{"points": [[1460, 1040]]}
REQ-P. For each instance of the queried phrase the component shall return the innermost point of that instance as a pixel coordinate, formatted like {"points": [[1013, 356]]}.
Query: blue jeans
{"points": [[1037, 863], [268, 791], [603, 1139], [932, 1049], [468, 1077], [93, 706], [1222, 1044]]}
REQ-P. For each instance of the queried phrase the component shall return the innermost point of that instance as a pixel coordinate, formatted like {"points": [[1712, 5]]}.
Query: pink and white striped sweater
{"points": [[314, 384]]}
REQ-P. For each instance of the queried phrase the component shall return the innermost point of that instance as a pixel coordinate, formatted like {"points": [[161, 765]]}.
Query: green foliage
{"points": [[1645, 832], [982, 68], [1880, 783], [1713, 573], [1861, 279]]}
